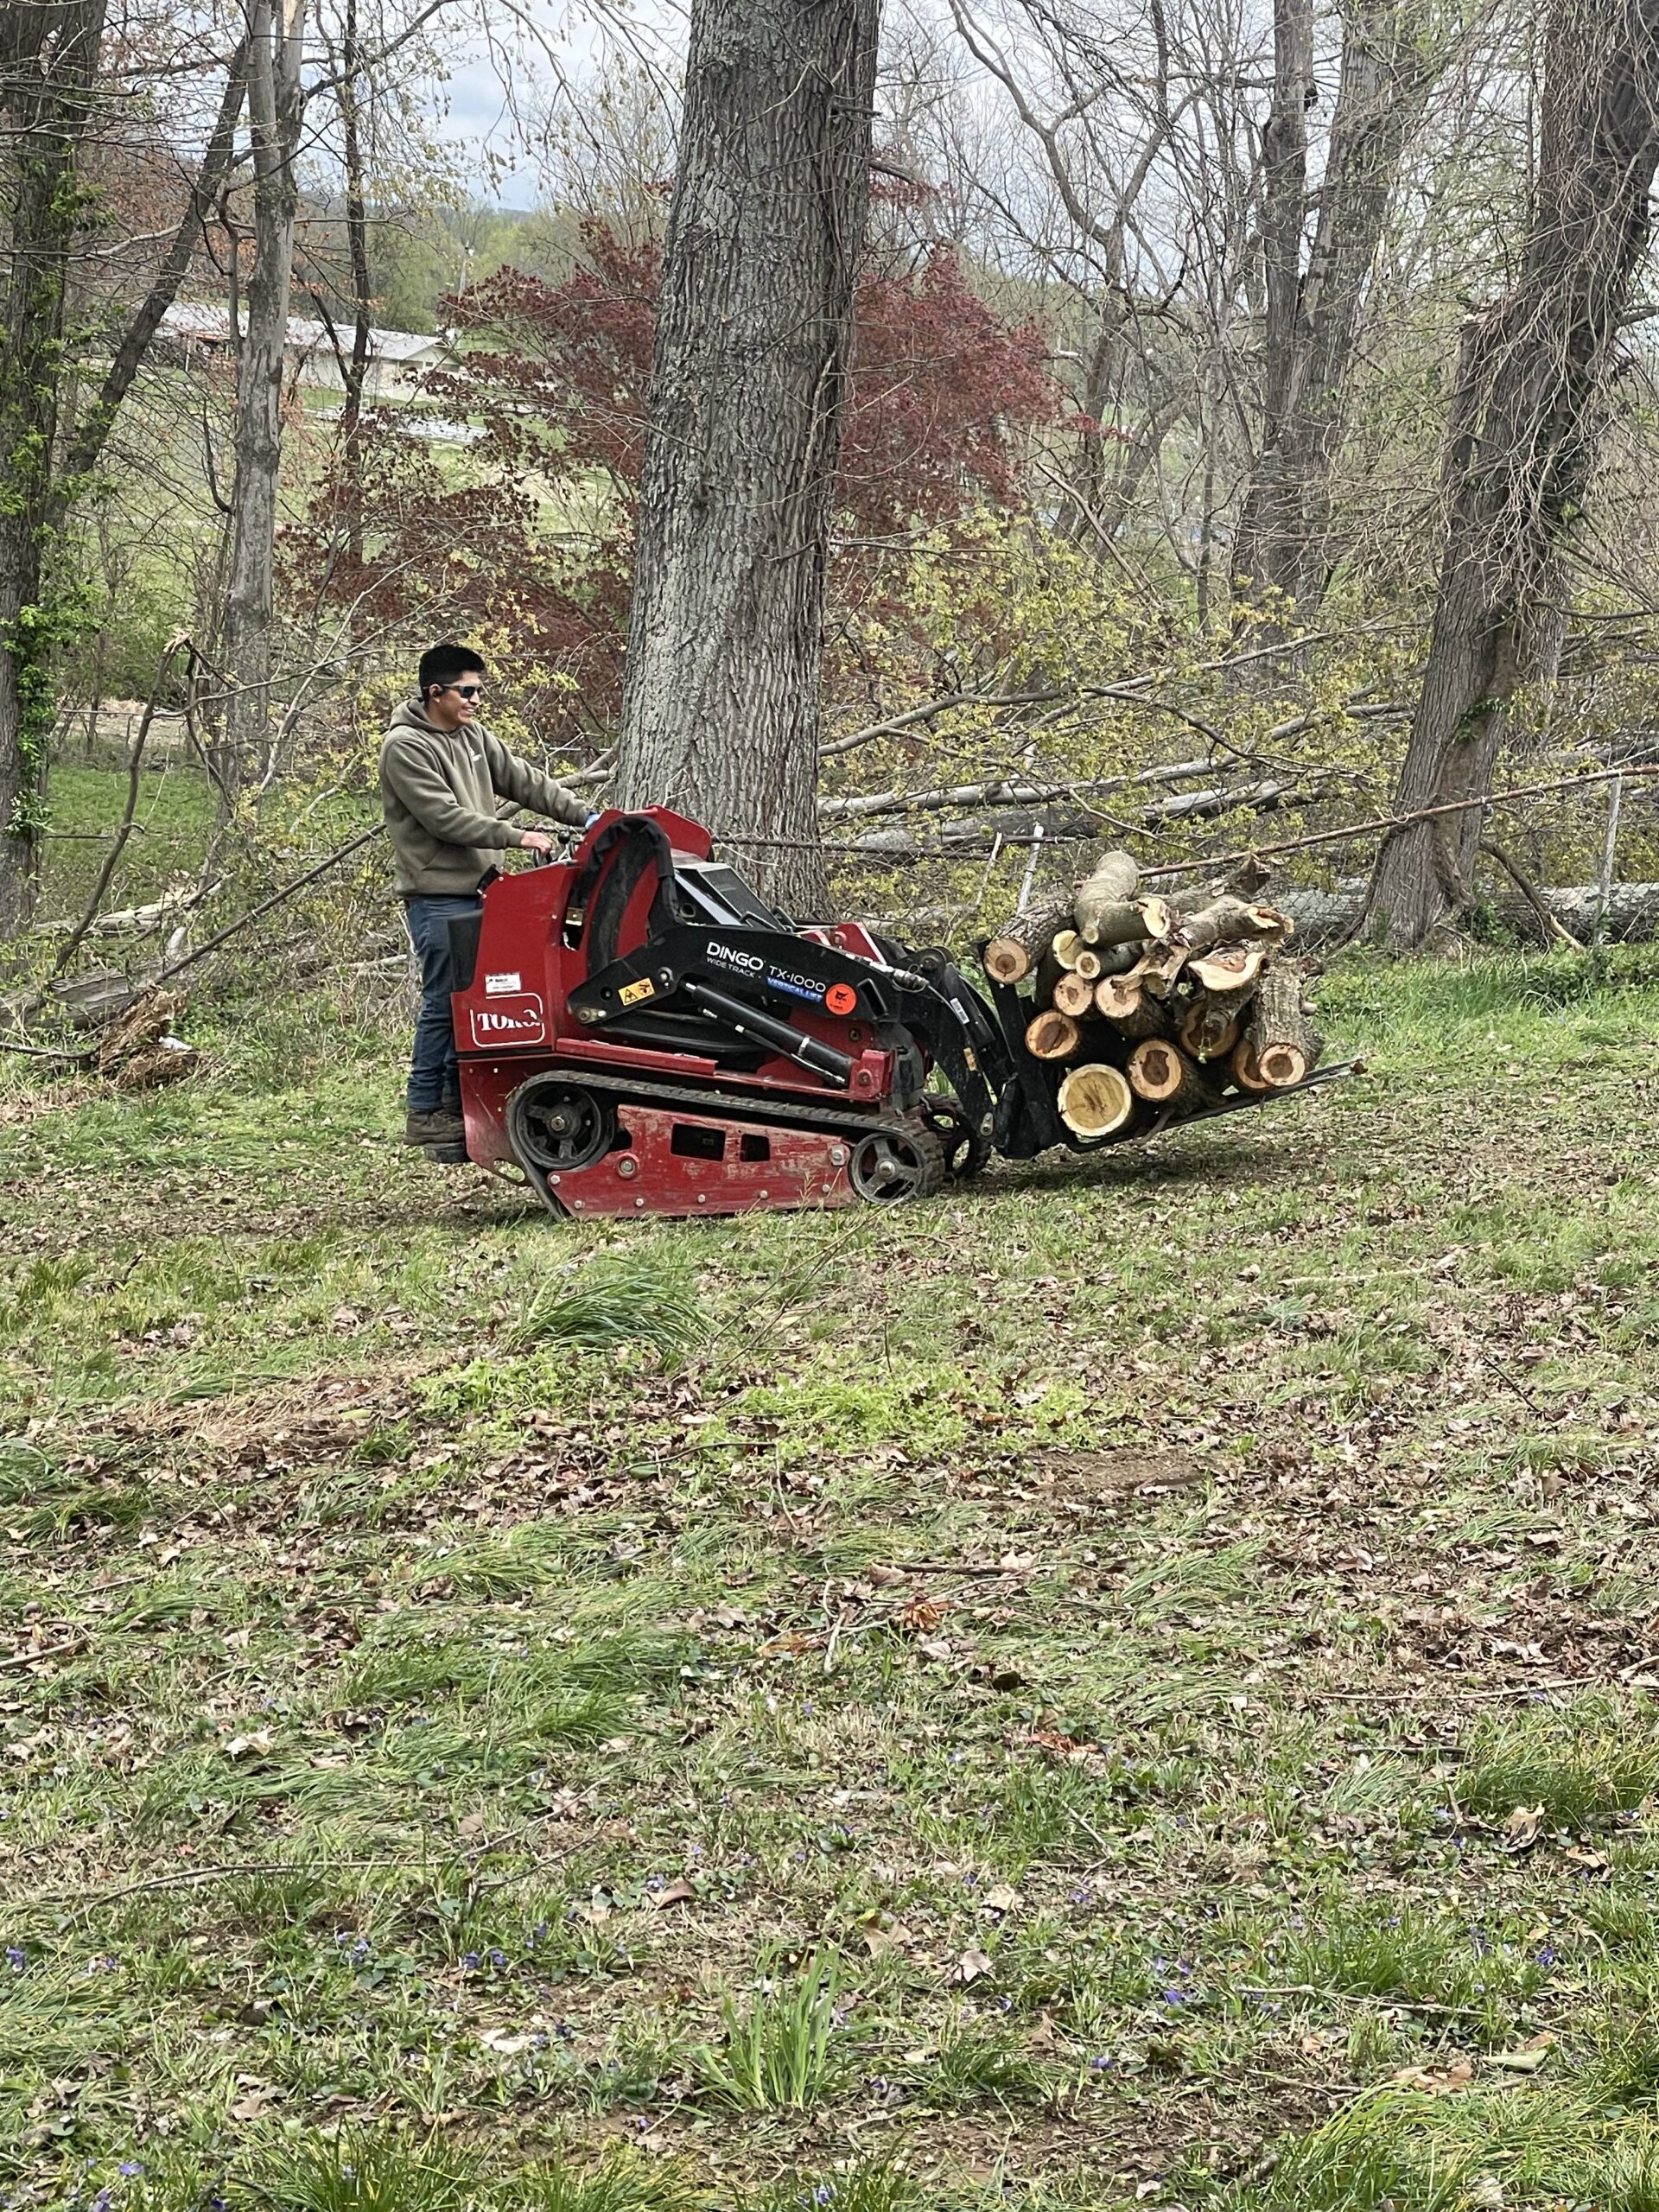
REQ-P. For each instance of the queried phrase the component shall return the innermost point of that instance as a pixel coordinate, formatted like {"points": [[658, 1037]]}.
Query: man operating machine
{"points": [[442, 778]]}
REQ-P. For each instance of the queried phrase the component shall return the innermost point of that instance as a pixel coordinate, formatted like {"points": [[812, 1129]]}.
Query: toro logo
{"points": [[516, 1021]]}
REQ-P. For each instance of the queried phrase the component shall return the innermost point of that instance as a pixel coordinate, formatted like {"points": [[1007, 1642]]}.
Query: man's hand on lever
{"points": [[536, 840]]}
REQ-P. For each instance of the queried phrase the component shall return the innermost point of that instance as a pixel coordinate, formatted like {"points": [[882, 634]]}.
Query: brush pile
{"points": [[1151, 1010]]}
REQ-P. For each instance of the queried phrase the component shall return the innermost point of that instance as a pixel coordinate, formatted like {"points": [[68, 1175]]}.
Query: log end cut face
{"points": [[1095, 1101]]}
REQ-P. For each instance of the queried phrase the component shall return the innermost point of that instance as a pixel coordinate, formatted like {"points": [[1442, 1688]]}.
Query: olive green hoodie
{"points": [[439, 790]]}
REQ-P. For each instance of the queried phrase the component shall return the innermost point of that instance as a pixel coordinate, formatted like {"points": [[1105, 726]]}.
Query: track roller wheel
{"points": [[555, 1127], [966, 1149], [903, 1159]]}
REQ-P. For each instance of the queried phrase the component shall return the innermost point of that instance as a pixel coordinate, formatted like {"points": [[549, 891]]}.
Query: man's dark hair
{"points": [[441, 665]]}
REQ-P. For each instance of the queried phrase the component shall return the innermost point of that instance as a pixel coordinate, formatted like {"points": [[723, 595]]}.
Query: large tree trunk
{"points": [[720, 712], [276, 112], [48, 65], [1314, 321], [1520, 443]]}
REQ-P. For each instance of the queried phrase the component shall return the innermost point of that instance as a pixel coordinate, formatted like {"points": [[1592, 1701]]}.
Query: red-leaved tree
{"points": [[528, 535]]}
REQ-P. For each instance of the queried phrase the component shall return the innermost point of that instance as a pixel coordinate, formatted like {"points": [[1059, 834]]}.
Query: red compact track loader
{"points": [[640, 1034]]}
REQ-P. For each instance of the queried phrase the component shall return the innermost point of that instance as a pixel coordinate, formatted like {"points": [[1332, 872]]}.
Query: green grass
{"points": [[780, 2051], [1130, 1684]]}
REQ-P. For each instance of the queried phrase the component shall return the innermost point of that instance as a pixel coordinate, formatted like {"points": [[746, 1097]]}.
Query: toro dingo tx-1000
{"points": [[642, 1034]]}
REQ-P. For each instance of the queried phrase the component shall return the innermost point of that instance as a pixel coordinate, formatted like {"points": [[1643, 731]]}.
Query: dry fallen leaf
{"points": [[1002, 1898], [1522, 1829], [676, 1893], [973, 1966], [1437, 2081], [240, 1747]]}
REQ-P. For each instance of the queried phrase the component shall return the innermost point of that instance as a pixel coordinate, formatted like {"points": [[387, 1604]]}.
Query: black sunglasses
{"points": [[464, 690]]}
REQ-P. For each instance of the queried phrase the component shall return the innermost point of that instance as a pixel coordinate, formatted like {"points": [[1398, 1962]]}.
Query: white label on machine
{"points": [[522, 1021], [494, 986]]}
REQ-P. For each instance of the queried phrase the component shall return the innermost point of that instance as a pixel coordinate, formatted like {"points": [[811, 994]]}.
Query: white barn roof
{"points": [[212, 325]]}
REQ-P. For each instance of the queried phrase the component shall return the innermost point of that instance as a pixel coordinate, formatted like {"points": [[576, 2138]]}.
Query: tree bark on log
{"points": [[1015, 951], [1108, 889], [1159, 969], [1284, 1050], [1522, 438], [1095, 1101], [1228, 921], [749, 376], [1122, 921], [1210, 1027]]}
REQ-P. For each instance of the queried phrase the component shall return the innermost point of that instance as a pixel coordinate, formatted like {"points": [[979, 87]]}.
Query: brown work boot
{"points": [[438, 1126]]}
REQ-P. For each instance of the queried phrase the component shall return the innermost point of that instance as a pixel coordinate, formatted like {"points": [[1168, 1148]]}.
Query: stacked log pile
{"points": [[1151, 1010]]}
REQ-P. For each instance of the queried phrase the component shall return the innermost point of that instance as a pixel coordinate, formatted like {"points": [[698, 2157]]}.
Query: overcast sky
{"points": [[567, 36]]}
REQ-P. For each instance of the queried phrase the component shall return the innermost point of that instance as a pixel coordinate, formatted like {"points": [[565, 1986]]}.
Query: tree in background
{"points": [[1318, 244], [49, 70], [749, 392], [60, 106], [1525, 424], [277, 117], [534, 539]]}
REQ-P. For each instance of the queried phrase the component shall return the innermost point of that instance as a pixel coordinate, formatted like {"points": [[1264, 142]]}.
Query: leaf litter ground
{"points": [[1130, 1684]]}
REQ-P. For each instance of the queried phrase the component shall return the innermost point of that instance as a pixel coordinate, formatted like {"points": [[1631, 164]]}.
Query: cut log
{"points": [[1095, 1101], [1066, 946], [1110, 885], [1097, 960], [1246, 1074], [1130, 1008], [1011, 956], [1161, 1073], [1130, 923], [1229, 921], [1283, 1045], [1159, 966], [1123, 923], [1074, 995], [1053, 1036], [1210, 1027], [1230, 967]]}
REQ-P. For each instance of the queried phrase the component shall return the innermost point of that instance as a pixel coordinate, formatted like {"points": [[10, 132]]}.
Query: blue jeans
{"points": [[434, 1073]]}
